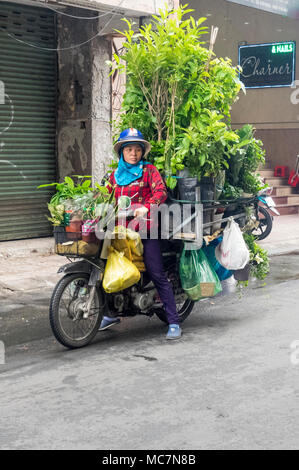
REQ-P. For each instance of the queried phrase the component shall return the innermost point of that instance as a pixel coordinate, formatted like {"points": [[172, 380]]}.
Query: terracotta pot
{"points": [[88, 231], [89, 237], [73, 230]]}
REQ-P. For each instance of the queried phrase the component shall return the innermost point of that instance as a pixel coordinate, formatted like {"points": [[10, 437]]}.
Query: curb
{"points": [[45, 246]]}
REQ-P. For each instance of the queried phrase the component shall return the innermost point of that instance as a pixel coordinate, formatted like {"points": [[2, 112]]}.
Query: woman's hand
{"points": [[140, 212]]}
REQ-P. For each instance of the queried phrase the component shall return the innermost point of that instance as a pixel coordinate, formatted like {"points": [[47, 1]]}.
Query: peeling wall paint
{"points": [[75, 149], [74, 98], [84, 104]]}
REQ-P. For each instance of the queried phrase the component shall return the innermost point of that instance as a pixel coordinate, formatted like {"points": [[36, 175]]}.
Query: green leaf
{"points": [[86, 184], [69, 182], [46, 185]]}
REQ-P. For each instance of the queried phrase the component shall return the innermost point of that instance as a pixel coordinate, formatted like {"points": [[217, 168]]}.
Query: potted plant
{"points": [[64, 202], [76, 203], [179, 95], [68, 189], [258, 266], [241, 177], [93, 208]]}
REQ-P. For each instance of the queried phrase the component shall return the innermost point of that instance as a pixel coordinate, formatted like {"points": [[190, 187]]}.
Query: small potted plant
{"points": [[97, 206], [258, 266], [89, 218], [75, 203], [241, 177]]}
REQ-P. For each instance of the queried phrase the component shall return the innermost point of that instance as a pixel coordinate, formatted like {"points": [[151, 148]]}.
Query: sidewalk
{"points": [[20, 248], [27, 265], [31, 264], [284, 237]]}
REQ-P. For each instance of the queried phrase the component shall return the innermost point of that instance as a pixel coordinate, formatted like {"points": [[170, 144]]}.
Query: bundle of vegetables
{"points": [[80, 201]]}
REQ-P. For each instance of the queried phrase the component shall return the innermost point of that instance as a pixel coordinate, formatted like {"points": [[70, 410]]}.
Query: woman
{"points": [[143, 183]]}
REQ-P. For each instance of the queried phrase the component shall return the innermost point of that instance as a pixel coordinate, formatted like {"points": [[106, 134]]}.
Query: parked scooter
{"points": [[265, 209]]}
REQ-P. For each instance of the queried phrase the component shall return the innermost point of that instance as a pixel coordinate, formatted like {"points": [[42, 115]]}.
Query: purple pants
{"points": [[154, 265]]}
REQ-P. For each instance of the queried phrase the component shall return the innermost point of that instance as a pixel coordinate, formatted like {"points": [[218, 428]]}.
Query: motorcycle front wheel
{"points": [[265, 224], [67, 311]]}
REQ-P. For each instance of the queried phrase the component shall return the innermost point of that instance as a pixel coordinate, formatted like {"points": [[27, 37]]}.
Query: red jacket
{"points": [[147, 190]]}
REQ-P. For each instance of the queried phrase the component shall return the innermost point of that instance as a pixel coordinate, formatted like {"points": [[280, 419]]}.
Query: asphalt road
{"points": [[231, 382]]}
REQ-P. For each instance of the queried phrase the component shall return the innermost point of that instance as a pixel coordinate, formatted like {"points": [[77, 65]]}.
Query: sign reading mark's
{"points": [[267, 65]]}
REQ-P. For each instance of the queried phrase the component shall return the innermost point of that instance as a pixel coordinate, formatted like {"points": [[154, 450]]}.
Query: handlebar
{"points": [[128, 214]]}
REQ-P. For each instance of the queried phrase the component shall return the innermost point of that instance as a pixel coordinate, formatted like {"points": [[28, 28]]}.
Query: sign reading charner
{"points": [[267, 65]]}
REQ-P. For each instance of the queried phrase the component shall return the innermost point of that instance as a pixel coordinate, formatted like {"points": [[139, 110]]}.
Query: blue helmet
{"points": [[132, 135]]}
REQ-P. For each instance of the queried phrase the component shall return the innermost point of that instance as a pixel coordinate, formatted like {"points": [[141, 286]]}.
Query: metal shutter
{"points": [[27, 120]]}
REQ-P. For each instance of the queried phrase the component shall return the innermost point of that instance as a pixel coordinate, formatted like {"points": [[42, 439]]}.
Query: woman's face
{"points": [[132, 153]]}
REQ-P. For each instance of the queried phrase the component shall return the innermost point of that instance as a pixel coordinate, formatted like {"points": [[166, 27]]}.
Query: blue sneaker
{"points": [[174, 331], [107, 322]]}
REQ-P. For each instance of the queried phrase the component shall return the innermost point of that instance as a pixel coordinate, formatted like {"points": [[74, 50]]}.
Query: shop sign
{"points": [[267, 65]]}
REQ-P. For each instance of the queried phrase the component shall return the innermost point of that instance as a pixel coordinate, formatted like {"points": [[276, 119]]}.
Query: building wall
{"points": [[74, 97], [84, 84], [129, 7], [270, 110]]}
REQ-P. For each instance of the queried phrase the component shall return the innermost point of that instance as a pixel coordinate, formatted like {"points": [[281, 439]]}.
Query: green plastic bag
{"points": [[198, 278]]}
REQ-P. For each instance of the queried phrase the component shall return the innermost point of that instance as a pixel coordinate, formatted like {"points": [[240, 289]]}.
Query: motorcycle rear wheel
{"points": [[69, 326], [265, 224]]}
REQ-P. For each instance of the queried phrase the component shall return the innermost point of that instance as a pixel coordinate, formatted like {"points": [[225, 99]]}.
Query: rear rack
{"points": [[203, 219]]}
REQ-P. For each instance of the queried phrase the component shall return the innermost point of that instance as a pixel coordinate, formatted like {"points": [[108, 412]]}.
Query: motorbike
{"points": [[79, 301], [266, 206]]}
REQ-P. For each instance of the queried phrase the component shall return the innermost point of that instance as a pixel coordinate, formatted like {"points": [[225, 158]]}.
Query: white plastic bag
{"points": [[232, 253]]}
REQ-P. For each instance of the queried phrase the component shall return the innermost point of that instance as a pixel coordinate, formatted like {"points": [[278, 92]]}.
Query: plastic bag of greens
{"points": [[198, 278]]}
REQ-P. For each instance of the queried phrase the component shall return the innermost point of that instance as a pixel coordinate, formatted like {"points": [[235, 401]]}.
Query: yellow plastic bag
{"points": [[120, 242], [120, 273], [135, 242], [129, 242]]}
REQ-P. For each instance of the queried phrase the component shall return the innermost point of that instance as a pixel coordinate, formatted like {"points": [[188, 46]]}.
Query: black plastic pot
{"points": [[207, 188], [243, 274], [211, 187], [187, 188]]}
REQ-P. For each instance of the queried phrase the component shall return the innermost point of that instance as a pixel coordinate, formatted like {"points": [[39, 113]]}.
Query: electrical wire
{"points": [[105, 13], [99, 33]]}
